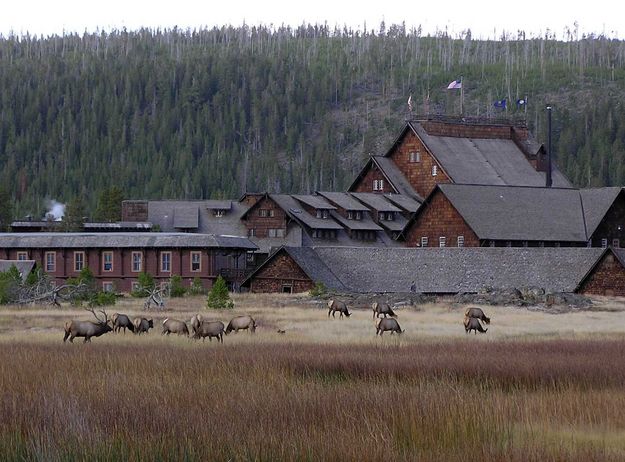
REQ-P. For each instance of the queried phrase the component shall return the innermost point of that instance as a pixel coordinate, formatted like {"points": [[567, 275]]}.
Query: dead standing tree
{"points": [[156, 297]]}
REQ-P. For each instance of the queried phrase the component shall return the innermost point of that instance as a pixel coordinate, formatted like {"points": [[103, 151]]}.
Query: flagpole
{"points": [[461, 95]]}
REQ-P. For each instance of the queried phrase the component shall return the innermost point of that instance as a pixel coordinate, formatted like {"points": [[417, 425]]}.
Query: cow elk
{"points": [[241, 323], [142, 325], [121, 321], [210, 329], [476, 313], [87, 329], [341, 307], [387, 324], [382, 308], [173, 326], [473, 324]]}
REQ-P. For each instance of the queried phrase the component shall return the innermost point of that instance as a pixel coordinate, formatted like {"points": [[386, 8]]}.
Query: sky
{"points": [[485, 18]]}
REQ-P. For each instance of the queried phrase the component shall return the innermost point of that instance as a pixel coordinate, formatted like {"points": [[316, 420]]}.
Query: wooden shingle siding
{"points": [[440, 219], [366, 183], [262, 224], [281, 271], [419, 174], [607, 278]]}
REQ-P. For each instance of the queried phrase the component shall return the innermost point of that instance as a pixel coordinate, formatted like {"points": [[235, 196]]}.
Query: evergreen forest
{"points": [[213, 113]]}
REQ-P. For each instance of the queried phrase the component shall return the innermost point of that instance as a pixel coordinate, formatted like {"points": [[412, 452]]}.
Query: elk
{"points": [[142, 325], [386, 324], [341, 307], [196, 320], [210, 329], [87, 329], [473, 324], [121, 321], [382, 308], [476, 313], [241, 323], [173, 326]]}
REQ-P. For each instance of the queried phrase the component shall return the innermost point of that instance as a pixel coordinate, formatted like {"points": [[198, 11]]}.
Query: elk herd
{"points": [[199, 327]]}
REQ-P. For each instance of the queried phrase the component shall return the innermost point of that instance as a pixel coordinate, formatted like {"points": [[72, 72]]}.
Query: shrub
{"points": [[176, 289], [10, 282], [146, 285], [196, 287], [219, 297], [319, 290], [102, 298]]}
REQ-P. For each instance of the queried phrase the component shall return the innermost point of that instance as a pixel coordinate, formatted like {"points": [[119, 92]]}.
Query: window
{"points": [[251, 232], [278, 232], [22, 256], [166, 262], [415, 156], [250, 257], [219, 213], [135, 286], [378, 185], [107, 261], [265, 213], [442, 241], [390, 216], [196, 261], [358, 215], [557, 244], [589, 243], [287, 289], [616, 243], [525, 244], [424, 241], [323, 214], [434, 170], [604, 243], [79, 261], [107, 287], [492, 243], [460, 241], [137, 261], [350, 215], [50, 262], [541, 244]]}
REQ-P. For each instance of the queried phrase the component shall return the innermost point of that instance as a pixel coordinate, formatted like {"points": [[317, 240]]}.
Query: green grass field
{"points": [[537, 386]]}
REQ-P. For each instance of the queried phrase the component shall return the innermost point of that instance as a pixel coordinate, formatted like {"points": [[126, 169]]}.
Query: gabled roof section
{"points": [[309, 262], [519, 213], [457, 270], [316, 202], [395, 177], [596, 203], [297, 213], [376, 202], [404, 202], [344, 200]]}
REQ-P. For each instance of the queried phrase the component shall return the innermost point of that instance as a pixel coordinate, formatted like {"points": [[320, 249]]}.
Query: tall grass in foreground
{"points": [[553, 400]]}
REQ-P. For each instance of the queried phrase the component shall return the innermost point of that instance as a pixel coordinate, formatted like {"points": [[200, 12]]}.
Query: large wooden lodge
{"points": [[444, 182]]}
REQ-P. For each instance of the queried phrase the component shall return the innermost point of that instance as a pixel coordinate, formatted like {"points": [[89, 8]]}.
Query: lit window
{"points": [[50, 262], [137, 261], [22, 256], [196, 261], [604, 243], [434, 170], [616, 243], [79, 261], [107, 261], [442, 241], [166, 262], [460, 241], [424, 241]]}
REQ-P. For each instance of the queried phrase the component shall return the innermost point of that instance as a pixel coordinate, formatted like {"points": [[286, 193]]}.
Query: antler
{"points": [[92, 311]]}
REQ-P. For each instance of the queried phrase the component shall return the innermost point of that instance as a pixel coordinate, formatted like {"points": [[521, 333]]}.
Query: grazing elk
{"points": [[87, 329], [173, 326], [476, 313], [386, 324], [382, 308], [210, 329], [196, 320], [341, 307], [241, 323], [473, 324], [121, 321], [142, 325]]}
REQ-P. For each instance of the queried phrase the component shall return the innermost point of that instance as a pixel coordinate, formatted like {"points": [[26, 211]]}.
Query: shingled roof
{"points": [[376, 202], [121, 240], [457, 270], [596, 203], [494, 161], [295, 211], [344, 200]]}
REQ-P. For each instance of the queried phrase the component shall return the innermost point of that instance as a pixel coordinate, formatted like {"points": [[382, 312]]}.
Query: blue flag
{"points": [[501, 104], [521, 102]]}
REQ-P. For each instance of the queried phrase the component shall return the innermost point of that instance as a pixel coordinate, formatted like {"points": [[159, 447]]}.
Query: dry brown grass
{"points": [[536, 387]]}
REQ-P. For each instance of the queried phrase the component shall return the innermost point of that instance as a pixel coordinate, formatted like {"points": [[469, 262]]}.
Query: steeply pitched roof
{"points": [[121, 240], [344, 200], [376, 202], [406, 203], [596, 203], [396, 177], [308, 260], [484, 161], [23, 266], [518, 213], [457, 270], [365, 224], [316, 202], [295, 211]]}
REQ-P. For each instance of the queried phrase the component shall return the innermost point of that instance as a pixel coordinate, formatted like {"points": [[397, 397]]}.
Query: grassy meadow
{"points": [[537, 386]]}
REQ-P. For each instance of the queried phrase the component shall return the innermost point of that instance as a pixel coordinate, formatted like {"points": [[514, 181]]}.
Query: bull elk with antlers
{"points": [[87, 329]]}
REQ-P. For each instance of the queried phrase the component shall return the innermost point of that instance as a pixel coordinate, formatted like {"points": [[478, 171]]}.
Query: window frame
{"points": [[616, 243], [132, 261], [107, 286], [104, 254], [193, 253], [162, 262], [434, 170], [53, 255], [442, 241], [414, 157], [424, 241], [460, 241], [604, 242], [22, 255], [83, 261]]}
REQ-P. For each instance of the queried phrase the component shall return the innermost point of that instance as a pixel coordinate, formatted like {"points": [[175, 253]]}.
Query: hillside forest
{"points": [[215, 112]]}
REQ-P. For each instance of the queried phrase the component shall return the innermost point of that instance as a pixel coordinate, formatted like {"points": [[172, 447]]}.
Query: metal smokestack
{"points": [[549, 180]]}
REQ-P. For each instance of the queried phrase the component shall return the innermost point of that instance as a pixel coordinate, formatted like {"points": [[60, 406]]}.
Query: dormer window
{"points": [[323, 214], [358, 215], [414, 156], [350, 215], [220, 213]]}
